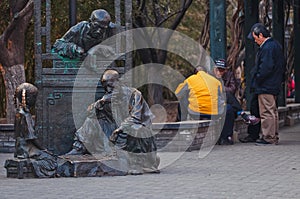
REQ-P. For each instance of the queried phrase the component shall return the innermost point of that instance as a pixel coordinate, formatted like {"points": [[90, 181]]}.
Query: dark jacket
{"points": [[230, 82], [268, 73]]}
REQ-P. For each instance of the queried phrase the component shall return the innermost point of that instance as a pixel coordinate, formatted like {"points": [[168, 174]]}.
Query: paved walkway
{"points": [[238, 171]]}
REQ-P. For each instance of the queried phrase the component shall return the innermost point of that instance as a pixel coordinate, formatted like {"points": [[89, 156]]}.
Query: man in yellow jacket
{"points": [[202, 94]]}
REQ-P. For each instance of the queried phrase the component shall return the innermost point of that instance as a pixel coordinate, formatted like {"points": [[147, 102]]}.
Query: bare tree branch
{"points": [[185, 4], [26, 10], [204, 33]]}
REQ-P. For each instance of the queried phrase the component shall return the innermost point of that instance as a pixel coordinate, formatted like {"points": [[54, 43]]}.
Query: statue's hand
{"points": [[114, 135], [96, 105], [21, 111], [102, 50], [99, 104], [90, 108], [79, 51], [108, 51]]}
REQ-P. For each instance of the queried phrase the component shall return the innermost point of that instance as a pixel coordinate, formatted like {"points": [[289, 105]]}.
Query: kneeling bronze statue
{"points": [[27, 145]]}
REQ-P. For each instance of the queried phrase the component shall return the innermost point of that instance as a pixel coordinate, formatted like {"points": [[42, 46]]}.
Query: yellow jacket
{"points": [[204, 93]]}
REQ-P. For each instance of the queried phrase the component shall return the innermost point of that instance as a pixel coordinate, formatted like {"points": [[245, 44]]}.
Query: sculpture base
{"points": [[19, 168], [70, 166], [89, 166]]}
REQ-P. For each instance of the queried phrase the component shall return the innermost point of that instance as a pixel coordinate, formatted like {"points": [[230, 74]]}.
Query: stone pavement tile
{"points": [[237, 171]]}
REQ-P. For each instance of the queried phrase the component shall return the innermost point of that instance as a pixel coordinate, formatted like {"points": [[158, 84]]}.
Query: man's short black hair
{"points": [[257, 29]]}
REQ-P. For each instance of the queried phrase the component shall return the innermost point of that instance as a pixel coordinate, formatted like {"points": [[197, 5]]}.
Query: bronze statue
{"points": [[117, 133], [86, 34], [120, 121], [27, 145]]}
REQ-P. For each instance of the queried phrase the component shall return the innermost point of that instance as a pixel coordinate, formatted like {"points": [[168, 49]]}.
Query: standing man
{"points": [[267, 77]]}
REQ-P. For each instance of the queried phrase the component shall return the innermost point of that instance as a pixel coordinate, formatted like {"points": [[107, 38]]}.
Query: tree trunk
{"points": [[13, 76], [12, 51], [155, 91], [156, 14]]}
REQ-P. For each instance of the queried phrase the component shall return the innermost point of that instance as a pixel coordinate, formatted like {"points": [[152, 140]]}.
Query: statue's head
{"points": [[109, 80], [26, 95], [99, 22]]}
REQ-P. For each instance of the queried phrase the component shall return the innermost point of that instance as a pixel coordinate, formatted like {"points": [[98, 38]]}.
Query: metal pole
{"points": [[72, 12], [278, 34], [251, 17], [217, 28]]}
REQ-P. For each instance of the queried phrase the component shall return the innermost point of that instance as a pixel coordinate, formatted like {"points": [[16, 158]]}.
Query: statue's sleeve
{"points": [[68, 45], [24, 126], [136, 106]]}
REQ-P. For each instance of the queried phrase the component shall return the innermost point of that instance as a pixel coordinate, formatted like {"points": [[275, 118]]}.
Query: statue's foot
{"points": [[135, 172], [78, 149], [21, 156], [151, 170], [75, 152], [106, 156], [157, 162]]}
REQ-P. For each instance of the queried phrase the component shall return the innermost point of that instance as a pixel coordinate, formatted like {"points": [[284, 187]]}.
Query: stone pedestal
{"points": [[70, 166], [19, 168], [89, 166]]}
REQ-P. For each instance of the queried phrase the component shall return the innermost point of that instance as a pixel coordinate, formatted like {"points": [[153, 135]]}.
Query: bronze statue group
{"points": [[119, 124]]}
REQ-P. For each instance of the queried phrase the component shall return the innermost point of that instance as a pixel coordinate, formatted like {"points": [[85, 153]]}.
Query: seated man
{"points": [[120, 121], [202, 94], [233, 107]]}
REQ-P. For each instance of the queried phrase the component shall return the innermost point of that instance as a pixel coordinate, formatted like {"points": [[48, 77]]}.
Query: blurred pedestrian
{"points": [[290, 87]]}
